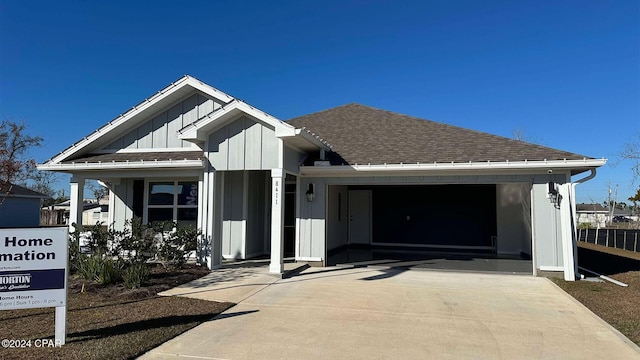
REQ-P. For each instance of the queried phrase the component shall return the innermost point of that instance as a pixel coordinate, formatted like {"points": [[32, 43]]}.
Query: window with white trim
{"points": [[173, 201]]}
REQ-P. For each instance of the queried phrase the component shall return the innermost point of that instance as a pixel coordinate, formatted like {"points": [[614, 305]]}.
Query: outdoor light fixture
{"points": [[552, 193], [310, 193]]}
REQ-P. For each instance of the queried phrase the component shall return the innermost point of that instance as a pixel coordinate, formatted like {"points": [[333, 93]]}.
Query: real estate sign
{"points": [[33, 268]]}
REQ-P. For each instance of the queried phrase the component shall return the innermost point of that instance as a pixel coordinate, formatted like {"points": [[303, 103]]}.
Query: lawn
{"points": [[619, 306], [111, 322]]}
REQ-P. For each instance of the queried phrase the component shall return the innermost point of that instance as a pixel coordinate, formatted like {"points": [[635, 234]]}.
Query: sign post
{"points": [[33, 272]]}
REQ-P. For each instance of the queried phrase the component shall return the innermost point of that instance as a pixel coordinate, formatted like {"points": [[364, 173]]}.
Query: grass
{"points": [[111, 322], [617, 305]]}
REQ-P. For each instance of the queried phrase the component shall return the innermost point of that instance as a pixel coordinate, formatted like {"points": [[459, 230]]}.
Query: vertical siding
{"points": [[546, 228], [253, 144], [269, 150], [174, 123], [232, 217], [122, 209], [312, 220], [160, 131], [244, 144], [237, 142]]}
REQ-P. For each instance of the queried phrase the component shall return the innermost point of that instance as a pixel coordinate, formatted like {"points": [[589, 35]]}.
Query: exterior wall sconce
{"points": [[310, 193], [553, 195]]}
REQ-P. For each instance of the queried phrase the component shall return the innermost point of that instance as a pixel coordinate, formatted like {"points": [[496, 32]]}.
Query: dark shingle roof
{"points": [[137, 156], [360, 134], [18, 191]]}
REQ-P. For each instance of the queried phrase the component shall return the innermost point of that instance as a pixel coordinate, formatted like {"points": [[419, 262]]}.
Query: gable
{"points": [[119, 135], [243, 144], [160, 131]]}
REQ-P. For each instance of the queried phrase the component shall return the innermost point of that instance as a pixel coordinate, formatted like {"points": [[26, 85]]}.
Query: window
{"points": [[173, 201]]}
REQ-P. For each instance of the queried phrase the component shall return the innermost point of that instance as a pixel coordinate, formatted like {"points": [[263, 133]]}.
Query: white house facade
{"points": [[344, 177]]}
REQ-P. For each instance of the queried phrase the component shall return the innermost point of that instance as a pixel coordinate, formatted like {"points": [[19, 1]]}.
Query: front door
{"points": [[359, 216]]}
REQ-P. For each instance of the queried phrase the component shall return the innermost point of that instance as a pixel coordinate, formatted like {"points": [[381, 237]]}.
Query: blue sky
{"points": [[567, 73]]}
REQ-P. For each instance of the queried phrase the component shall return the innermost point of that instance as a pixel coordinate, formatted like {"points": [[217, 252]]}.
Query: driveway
{"points": [[364, 313]]}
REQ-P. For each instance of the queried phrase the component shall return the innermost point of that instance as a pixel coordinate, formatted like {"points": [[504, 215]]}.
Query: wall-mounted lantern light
{"points": [[310, 193]]}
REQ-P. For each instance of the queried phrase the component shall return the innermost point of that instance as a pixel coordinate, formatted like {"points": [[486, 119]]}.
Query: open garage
{"points": [[477, 227]]}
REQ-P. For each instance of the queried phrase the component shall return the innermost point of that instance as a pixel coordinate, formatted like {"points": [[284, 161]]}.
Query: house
{"points": [[595, 215], [92, 212], [19, 206], [351, 176]]}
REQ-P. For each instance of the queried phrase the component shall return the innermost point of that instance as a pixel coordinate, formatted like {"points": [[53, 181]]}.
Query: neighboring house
{"points": [[599, 216], [595, 215], [348, 176], [92, 212], [19, 206]]}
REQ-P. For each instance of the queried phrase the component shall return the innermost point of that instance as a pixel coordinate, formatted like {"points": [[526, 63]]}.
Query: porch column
{"points": [[215, 200], [76, 198], [277, 214], [566, 230]]}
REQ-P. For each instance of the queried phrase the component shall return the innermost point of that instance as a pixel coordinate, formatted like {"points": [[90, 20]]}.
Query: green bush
{"points": [[136, 275], [177, 242], [137, 242], [99, 268], [74, 252]]}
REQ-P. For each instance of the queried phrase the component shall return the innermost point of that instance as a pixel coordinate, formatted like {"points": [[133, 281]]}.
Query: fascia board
{"points": [[488, 167], [200, 130], [314, 140], [123, 165], [138, 109]]}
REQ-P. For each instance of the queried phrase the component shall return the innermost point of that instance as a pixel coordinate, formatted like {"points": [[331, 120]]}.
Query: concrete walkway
{"points": [[363, 313]]}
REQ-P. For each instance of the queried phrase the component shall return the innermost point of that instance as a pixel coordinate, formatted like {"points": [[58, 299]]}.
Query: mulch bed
{"points": [[111, 322]]}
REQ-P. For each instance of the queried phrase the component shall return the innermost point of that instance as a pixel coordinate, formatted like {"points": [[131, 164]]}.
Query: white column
{"points": [[566, 226], [277, 215], [216, 206], [76, 198]]}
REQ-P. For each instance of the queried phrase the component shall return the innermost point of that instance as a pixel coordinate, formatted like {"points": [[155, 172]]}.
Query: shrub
{"points": [[99, 268], [136, 275], [137, 242], [74, 252], [177, 243]]}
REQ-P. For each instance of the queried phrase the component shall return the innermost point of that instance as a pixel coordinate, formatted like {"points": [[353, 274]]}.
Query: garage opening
{"points": [[457, 227]]}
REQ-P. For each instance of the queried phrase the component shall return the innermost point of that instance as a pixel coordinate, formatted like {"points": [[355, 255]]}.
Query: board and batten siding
{"points": [[161, 130], [244, 144]]}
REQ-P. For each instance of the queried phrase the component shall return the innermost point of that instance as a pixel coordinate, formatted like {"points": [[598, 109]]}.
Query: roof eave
{"points": [[453, 167], [124, 165]]}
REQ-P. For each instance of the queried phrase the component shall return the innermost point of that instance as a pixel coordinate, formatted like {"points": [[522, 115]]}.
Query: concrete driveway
{"points": [[363, 313]]}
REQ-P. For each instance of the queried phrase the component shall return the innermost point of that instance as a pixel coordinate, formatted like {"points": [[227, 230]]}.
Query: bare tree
{"points": [[631, 152], [520, 134], [99, 191], [15, 166]]}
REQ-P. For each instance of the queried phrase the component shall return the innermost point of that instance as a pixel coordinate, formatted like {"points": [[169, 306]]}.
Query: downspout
{"points": [[572, 200]]}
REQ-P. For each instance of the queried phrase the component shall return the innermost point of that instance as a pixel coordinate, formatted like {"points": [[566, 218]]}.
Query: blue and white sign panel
{"points": [[33, 268]]}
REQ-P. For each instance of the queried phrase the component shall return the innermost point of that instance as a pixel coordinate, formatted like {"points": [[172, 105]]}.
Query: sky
{"points": [[564, 73]]}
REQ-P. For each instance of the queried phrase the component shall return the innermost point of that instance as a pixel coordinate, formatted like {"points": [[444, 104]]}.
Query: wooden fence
{"points": [[615, 238]]}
